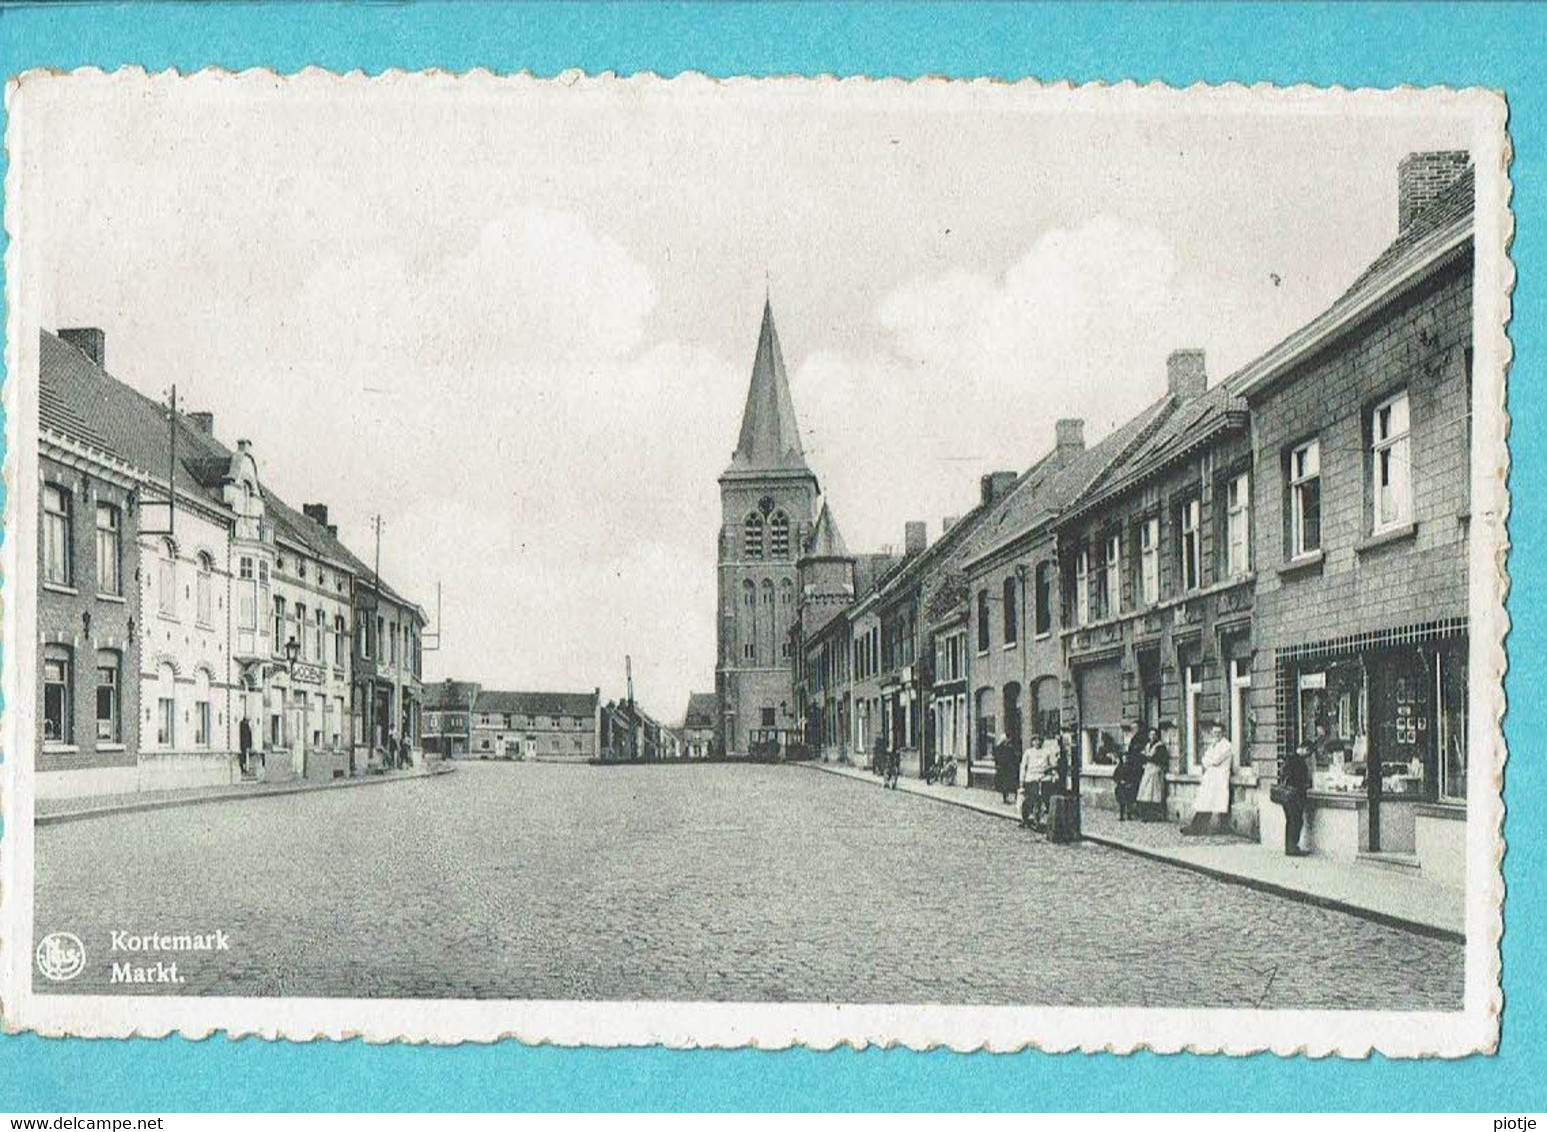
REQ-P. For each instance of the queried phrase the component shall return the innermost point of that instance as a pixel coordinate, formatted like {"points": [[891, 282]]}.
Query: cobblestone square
{"points": [[690, 882]]}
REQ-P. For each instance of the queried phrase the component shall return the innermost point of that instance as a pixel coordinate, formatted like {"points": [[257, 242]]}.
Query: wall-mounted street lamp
{"points": [[292, 652]]}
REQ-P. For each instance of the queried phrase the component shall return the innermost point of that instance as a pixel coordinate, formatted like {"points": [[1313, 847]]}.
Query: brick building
{"points": [[1004, 643], [88, 556], [768, 502], [448, 718], [1156, 569], [550, 726], [1362, 440]]}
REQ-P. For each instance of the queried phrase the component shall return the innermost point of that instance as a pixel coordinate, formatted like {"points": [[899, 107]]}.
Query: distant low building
{"points": [[698, 726], [552, 726]]}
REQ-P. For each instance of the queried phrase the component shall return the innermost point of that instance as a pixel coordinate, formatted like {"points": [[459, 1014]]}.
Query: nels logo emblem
{"points": [[61, 956]]}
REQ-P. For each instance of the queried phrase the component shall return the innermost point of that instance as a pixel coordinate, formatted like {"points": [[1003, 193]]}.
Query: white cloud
{"points": [[976, 368]]}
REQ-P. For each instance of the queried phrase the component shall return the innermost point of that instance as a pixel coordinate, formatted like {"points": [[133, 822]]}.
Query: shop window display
{"points": [[1332, 723]]}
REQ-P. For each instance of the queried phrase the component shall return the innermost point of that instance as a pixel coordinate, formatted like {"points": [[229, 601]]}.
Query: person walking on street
{"points": [[1211, 807], [1150, 801], [1033, 762], [244, 743], [1294, 783], [1130, 770], [1006, 764]]}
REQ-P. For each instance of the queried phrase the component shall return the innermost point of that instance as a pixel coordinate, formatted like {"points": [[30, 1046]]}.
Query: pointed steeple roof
{"points": [[826, 541], [770, 438]]}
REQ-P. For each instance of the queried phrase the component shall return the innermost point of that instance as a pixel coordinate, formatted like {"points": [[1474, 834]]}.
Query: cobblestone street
{"points": [[691, 882]]}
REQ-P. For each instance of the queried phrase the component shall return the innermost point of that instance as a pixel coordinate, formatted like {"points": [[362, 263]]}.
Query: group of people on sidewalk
{"points": [[1048, 767]]}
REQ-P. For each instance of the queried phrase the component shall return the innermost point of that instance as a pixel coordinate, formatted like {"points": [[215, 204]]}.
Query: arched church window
{"points": [[787, 592], [779, 535], [752, 541], [748, 593], [767, 592]]}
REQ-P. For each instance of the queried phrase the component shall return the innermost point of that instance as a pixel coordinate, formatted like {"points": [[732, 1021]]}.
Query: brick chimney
{"points": [[1070, 433], [1421, 177], [996, 485], [1186, 376], [204, 422], [915, 536], [89, 340], [316, 512]]}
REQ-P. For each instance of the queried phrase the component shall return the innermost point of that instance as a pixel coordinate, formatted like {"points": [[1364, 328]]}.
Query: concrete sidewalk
{"points": [[52, 811], [1368, 891]]}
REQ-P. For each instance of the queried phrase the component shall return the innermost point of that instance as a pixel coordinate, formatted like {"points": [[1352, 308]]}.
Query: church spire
{"points": [[770, 438]]}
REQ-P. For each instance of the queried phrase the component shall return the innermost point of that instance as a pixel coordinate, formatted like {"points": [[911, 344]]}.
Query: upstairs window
{"points": [[1391, 464], [752, 537], [58, 566], [247, 595], [279, 623], [1305, 499], [109, 550], [779, 535], [1082, 587], [339, 636], [1112, 598], [202, 588], [1238, 526], [1012, 615], [1044, 598], [1191, 544], [982, 620], [166, 579], [1149, 560]]}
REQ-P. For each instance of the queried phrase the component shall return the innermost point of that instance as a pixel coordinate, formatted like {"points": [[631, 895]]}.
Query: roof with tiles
{"points": [[450, 695], [703, 710], [90, 405], [536, 703], [1039, 500]]}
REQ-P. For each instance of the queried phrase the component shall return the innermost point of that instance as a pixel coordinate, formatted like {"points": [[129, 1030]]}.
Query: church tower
{"points": [[767, 499]]}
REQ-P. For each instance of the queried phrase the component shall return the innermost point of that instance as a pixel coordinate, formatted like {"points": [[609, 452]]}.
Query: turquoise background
{"points": [[1349, 45]]}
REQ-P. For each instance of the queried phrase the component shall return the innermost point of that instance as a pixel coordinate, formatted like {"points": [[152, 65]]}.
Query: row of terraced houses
{"points": [[194, 628], [1284, 552]]}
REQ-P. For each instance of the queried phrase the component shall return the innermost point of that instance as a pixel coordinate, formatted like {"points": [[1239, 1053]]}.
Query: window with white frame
{"points": [[1082, 586], [339, 636], [1044, 614], [58, 566], [1240, 674], [1191, 544], [1305, 499], [202, 586], [109, 550], [279, 624], [1113, 598], [982, 621], [166, 706], [1192, 694], [1238, 519], [1391, 464], [166, 579], [247, 595], [1149, 559], [203, 718]]}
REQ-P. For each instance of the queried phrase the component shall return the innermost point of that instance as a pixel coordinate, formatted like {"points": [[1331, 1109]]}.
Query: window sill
{"points": [[1045, 636], [1448, 809], [1303, 562], [116, 599], [169, 618], [1387, 537], [61, 749], [61, 588], [1008, 645], [110, 747]]}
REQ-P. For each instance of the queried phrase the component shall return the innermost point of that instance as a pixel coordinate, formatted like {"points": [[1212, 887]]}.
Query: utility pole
{"points": [[633, 715], [370, 625]]}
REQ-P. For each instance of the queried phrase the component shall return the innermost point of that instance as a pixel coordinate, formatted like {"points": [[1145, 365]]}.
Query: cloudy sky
{"points": [[518, 320]]}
